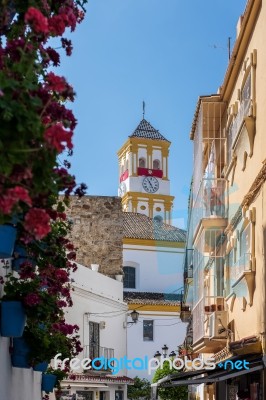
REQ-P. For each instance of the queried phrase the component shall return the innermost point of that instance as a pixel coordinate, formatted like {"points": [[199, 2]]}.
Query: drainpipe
{"points": [[263, 299]]}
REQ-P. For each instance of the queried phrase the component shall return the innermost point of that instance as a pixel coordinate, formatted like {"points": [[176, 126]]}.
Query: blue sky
{"points": [[165, 52]]}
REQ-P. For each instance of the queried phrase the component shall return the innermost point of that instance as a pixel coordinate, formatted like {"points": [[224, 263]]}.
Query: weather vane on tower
{"points": [[143, 109]]}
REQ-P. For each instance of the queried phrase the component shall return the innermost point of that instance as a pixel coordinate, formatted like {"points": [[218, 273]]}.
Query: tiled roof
{"points": [[145, 130], [139, 226], [99, 378], [172, 299]]}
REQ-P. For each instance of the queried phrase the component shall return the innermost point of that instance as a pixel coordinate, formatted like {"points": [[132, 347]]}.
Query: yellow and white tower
{"points": [[144, 184]]}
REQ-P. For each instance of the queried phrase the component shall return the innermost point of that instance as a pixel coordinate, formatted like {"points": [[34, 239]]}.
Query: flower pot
{"points": [[41, 367], [213, 307], [220, 307], [13, 318], [7, 240], [21, 258], [48, 382], [20, 353], [95, 267], [207, 308], [119, 278]]}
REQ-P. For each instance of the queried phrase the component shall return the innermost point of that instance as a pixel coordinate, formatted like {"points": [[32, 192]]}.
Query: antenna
{"points": [[229, 48], [143, 109]]}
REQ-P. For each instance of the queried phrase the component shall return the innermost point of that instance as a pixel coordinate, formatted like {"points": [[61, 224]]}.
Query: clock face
{"points": [[150, 184]]}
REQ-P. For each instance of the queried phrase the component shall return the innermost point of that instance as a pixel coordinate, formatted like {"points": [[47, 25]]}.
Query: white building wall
{"points": [[160, 268], [98, 298], [168, 329]]}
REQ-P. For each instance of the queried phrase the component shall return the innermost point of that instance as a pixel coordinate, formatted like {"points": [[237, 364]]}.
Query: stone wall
{"points": [[98, 232]]}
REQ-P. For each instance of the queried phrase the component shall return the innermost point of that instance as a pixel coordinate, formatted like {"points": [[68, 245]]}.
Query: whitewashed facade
{"points": [[98, 299]]}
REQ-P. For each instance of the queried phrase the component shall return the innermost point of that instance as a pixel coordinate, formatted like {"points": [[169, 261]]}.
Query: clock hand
{"points": [[150, 185]]}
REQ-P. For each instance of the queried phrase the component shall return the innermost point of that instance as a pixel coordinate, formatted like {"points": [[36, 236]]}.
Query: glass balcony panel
{"points": [[211, 201]]}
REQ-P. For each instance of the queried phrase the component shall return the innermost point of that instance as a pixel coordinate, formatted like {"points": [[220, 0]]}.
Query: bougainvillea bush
{"points": [[36, 133]]}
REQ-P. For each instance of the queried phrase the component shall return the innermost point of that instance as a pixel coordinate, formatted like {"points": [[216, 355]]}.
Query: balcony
{"points": [[211, 201], [95, 351], [123, 176], [209, 316], [158, 173]]}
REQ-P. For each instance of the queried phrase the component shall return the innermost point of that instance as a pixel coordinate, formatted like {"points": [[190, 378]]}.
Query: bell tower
{"points": [[144, 184]]}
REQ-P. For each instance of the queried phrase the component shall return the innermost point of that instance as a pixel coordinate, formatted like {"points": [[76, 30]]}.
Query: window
{"points": [[148, 330], [142, 162], [119, 395], [94, 340], [245, 241], [84, 395], [130, 277], [158, 218], [246, 90], [156, 164]]}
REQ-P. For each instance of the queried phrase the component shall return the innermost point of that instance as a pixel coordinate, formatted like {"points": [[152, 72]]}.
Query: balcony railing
{"points": [[240, 267], [95, 351], [206, 306], [236, 125], [211, 200]]}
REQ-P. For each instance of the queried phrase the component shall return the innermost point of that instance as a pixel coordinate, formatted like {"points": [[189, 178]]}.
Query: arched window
{"points": [[156, 164], [158, 218], [142, 162], [129, 277]]}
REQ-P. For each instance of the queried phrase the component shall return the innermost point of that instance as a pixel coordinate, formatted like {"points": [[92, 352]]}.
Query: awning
{"points": [[209, 376]]}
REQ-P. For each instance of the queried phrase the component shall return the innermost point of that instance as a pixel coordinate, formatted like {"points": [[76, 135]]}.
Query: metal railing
{"points": [[94, 351], [206, 306], [211, 200], [236, 125]]}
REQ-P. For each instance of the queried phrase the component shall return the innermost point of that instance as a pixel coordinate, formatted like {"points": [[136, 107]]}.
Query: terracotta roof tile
{"points": [[139, 226], [145, 130], [152, 298]]}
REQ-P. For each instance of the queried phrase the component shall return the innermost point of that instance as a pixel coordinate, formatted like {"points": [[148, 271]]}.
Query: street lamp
{"points": [[135, 316], [157, 354], [164, 352]]}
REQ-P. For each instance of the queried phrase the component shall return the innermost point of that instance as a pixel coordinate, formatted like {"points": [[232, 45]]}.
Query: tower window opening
{"points": [[158, 218], [156, 164], [142, 162]]}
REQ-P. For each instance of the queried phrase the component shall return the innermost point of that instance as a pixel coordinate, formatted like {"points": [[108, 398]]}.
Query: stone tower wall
{"points": [[97, 232]]}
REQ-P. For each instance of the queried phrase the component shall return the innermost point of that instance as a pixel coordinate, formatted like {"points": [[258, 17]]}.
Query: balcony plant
{"points": [[36, 128]]}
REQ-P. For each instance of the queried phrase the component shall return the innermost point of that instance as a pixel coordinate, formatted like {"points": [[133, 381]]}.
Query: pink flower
{"points": [[13, 196], [32, 299], [61, 275], [37, 222], [58, 138], [56, 83], [57, 25], [37, 20]]}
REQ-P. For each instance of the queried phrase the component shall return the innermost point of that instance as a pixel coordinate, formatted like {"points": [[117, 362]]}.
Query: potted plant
{"points": [[8, 235], [33, 107], [13, 318], [20, 257]]}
